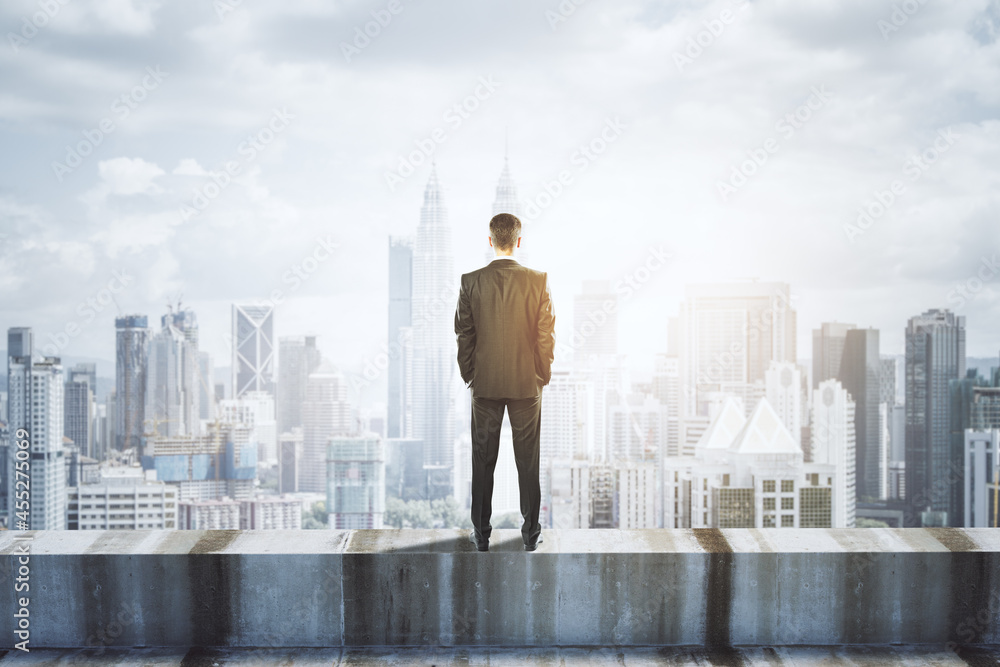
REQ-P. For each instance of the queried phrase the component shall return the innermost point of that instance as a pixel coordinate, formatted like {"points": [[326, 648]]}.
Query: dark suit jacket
{"points": [[506, 330]]}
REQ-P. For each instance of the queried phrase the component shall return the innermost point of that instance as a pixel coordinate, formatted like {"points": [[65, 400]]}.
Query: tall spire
{"points": [[506, 198], [432, 193]]}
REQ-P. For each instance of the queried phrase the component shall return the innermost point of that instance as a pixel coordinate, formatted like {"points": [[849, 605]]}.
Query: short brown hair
{"points": [[504, 230]]}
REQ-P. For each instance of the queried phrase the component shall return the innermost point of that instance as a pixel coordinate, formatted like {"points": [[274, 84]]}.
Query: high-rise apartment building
{"points": [[935, 355], [131, 355], [35, 415]]}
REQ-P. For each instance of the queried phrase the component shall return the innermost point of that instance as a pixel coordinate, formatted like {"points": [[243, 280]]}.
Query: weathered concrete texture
{"points": [[711, 588], [853, 656]]}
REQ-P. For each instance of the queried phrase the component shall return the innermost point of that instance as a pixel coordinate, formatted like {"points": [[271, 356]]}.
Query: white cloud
{"points": [[189, 167], [128, 176], [129, 17], [655, 184]]}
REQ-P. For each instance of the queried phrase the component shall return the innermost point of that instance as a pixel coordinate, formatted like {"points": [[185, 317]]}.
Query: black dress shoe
{"points": [[472, 538], [532, 547]]}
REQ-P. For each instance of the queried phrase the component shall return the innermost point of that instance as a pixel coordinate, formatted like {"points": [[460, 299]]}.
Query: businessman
{"points": [[506, 343]]}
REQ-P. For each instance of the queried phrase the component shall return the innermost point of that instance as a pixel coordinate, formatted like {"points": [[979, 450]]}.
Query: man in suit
{"points": [[506, 343]]}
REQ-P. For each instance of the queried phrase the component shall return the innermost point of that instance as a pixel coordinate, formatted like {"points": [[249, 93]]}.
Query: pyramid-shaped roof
{"points": [[724, 428], [764, 433]]}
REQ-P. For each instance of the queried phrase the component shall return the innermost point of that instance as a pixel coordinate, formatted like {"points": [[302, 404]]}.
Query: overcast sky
{"points": [[682, 92]]}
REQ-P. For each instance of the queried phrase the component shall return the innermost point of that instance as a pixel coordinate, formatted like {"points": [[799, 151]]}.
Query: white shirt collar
{"points": [[510, 257]]}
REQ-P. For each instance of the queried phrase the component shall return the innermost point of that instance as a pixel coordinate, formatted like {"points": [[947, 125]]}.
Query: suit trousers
{"points": [[525, 420]]}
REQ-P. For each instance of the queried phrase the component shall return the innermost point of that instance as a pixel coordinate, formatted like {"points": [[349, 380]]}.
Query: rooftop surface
{"points": [[796, 656]]}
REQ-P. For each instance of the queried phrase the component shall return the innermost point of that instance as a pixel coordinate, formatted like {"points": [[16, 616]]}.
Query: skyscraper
{"points": [[595, 323], [131, 350], [298, 356], [173, 376], [434, 298], [507, 201], [206, 385], [730, 334], [833, 445], [398, 409], [783, 387], [355, 482], [79, 407], [667, 388], [935, 355], [981, 450], [567, 429], [325, 414], [35, 404], [860, 374], [253, 348], [827, 350]]}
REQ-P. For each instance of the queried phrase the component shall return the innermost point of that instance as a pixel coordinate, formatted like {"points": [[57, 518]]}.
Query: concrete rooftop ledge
{"points": [[425, 588]]}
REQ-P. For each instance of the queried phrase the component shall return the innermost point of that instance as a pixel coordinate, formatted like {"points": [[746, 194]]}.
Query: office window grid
{"points": [[815, 507]]}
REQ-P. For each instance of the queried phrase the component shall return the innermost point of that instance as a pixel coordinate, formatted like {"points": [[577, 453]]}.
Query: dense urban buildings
{"points": [[729, 335], [726, 427]]}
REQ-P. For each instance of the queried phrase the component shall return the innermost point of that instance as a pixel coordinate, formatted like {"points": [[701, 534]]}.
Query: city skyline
{"points": [[645, 127]]}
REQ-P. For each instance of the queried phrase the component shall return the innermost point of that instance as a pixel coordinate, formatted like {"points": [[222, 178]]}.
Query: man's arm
{"points": [[545, 351], [465, 329]]}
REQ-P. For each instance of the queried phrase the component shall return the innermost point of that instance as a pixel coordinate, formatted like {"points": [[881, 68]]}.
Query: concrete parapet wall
{"points": [[431, 587]]}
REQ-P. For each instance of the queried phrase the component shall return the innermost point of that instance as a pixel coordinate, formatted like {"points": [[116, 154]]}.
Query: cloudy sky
{"points": [[205, 149]]}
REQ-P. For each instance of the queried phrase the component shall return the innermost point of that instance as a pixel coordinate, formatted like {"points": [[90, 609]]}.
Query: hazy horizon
{"points": [[314, 128]]}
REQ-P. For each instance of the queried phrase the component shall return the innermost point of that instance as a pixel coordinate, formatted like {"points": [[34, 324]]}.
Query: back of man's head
{"points": [[505, 230]]}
